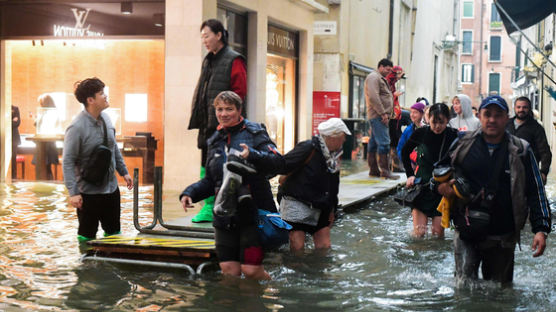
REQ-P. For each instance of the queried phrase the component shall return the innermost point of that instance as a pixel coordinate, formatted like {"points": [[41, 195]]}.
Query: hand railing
{"points": [[169, 229]]}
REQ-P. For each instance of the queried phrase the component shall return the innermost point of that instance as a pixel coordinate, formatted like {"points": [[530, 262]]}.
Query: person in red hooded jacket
{"points": [[394, 124]]}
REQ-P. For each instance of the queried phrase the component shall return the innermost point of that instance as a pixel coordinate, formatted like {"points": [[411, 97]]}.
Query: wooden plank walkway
{"points": [[355, 189], [358, 188]]}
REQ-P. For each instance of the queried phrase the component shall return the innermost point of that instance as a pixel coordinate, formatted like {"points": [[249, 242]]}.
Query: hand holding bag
{"points": [[408, 197]]}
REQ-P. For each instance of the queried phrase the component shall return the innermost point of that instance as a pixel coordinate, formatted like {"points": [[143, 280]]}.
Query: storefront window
{"points": [[51, 44], [281, 87], [358, 108], [236, 25], [280, 99], [133, 71]]}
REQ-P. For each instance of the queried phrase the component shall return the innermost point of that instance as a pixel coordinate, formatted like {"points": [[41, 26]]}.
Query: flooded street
{"points": [[374, 265]]}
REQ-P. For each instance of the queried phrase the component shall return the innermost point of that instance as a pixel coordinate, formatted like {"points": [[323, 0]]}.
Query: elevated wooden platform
{"points": [[358, 188], [181, 243], [146, 249]]}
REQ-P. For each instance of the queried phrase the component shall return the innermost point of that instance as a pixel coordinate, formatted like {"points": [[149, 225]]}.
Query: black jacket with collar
{"points": [[310, 181], [532, 132]]}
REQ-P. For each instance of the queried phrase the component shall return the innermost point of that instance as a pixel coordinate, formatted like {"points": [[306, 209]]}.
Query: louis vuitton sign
{"points": [[79, 29], [282, 42]]}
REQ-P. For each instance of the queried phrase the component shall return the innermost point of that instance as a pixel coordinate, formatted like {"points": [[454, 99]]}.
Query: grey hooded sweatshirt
{"points": [[465, 121]]}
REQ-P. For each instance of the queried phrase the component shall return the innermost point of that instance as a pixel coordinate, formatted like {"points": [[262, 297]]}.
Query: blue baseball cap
{"points": [[494, 99]]}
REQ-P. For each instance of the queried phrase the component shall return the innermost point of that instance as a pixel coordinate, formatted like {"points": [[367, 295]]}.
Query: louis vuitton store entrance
{"points": [[47, 47], [281, 86]]}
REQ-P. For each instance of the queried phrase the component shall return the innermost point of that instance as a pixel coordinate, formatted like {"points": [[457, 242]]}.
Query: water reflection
{"points": [[374, 265]]}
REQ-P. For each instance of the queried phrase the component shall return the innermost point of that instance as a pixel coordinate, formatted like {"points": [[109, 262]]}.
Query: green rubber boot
{"points": [[205, 214], [117, 233], [82, 239]]}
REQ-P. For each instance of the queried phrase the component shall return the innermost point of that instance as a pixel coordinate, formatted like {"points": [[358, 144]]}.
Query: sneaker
{"points": [[239, 165]]}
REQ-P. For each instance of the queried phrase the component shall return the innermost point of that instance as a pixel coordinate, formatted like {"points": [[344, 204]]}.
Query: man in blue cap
{"points": [[498, 185]]}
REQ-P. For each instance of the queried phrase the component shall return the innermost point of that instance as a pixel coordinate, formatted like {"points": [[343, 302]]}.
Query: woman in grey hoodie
{"points": [[465, 120]]}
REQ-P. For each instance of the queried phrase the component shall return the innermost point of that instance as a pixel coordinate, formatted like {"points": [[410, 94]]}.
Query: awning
{"points": [[520, 14], [525, 13], [359, 69]]}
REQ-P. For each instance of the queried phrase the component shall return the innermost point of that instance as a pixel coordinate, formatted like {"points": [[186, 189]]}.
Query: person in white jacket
{"points": [[465, 119]]}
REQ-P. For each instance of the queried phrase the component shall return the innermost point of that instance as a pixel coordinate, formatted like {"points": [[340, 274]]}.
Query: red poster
{"points": [[325, 106]]}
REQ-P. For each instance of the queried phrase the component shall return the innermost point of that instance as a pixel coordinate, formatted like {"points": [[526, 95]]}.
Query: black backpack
{"points": [[96, 169]]}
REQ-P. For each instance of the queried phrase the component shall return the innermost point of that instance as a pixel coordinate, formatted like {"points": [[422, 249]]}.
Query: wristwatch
{"points": [[545, 234]]}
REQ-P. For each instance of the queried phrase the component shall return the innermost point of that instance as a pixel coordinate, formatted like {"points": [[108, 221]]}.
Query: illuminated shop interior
{"points": [[133, 71]]}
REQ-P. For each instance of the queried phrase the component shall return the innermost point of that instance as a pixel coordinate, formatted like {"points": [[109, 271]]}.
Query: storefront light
{"points": [[158, 19], [86, 43], [127, 7], [136, 107]]}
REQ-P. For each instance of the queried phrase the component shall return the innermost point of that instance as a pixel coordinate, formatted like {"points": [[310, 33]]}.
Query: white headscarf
{"points": [[331, 127]]}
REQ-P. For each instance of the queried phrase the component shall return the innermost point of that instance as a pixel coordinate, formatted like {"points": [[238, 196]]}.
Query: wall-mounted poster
{"points": [[325, 105]]}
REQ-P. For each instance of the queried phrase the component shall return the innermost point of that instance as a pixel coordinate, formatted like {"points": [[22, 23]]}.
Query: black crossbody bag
{"points": [[96, 169], [473, 221]]}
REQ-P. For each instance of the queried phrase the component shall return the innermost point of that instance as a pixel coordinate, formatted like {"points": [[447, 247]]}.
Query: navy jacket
{"points": [[262, 154]]}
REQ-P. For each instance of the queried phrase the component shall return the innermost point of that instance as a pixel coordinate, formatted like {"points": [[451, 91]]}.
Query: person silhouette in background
{"points": [[48, 124], [16, 139]]}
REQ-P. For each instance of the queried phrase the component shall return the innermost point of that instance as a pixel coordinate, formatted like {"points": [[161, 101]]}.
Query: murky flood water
{"points": [[374, 265]]}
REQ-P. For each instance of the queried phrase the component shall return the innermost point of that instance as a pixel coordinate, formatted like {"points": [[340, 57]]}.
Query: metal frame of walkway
{"points": [[184, 246]]}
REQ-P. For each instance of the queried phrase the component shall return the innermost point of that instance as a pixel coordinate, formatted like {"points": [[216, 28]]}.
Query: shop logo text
{"points": [[280, 41], [79, 30]]}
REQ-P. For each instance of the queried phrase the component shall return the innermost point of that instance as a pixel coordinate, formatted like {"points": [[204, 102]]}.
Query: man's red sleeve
{"points": [[239, 78]]}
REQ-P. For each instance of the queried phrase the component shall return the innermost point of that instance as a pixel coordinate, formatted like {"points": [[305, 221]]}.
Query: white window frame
{"points": [[472, 9], [463, 65], [471, 31], [490, 47], [490, 18], [499, 80]]}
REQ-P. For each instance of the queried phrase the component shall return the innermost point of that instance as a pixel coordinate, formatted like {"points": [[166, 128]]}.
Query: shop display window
{"points": [[133, 71], [358, 107], [280, 101]]}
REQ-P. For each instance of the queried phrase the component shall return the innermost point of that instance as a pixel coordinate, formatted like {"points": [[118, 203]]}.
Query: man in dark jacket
{"points": [[523, 125], [309, 195], [504, 188]]}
